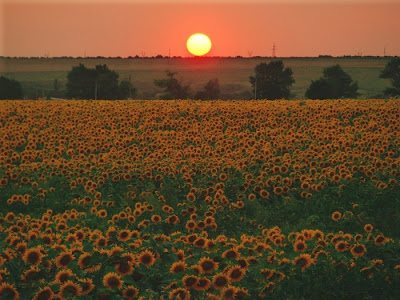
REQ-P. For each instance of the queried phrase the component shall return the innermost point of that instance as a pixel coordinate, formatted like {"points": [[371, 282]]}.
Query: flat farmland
{"points": [[37, 75]]}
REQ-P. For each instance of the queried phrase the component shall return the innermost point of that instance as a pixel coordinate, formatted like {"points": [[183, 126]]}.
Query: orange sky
{"points": [[106, 28]]}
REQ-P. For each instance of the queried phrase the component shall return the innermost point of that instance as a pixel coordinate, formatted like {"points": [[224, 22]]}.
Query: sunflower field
{"points": [[200, 199]]}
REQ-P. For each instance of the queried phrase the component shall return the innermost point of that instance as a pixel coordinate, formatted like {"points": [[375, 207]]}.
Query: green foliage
{"points": [[272, 81], [126, 90], [335, 83], [10, 89], [392, 72], [97, 83], [211, 91], [173, 88], [107, 83]]}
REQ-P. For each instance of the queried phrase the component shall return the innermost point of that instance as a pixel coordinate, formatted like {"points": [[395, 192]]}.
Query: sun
{"points": [[198, 44]]}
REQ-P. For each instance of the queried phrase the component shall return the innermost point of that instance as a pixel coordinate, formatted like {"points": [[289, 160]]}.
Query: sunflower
{"points": [[368, 227], [93, 268], [64, 259], [124, 235], [147, 258], [179, 293], [130, 292], [44, 294], [380, 239], [191, 238], [203, 284], [129, 258], [101, 242], [320, 253], [84, 260], [70, 288], [21, 247], [180, 254], [63, 276], [303, 260], [236, 273], [172, 219], [241, 294], [278, 190], [112, 280], [10, 217], [397, 267], [299, 246], [268, 288], [189, 281], [191, 197], [264, 194], [178, 267], [8, 291], [207, 265], [190, 225], [156, 218], [231, 253], [33, 256], [200, 242], [200, 225], [358, 237], [219, 281], [267, 273], [31, 274], [229, 292], [212, 297], [124, 268], [341, 246], [86, 285], [102, 213], [358, 250], [47, 239], [251, 197], [336, 216]]}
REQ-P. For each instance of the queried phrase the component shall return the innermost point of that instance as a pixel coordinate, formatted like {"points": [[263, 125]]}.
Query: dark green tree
{"points": [[107, 83], [97, 83], [173, 88], [334, 84], [81, 82], [211, 91], [272, 81], [10, 89], [392, 72], [126, 90]]}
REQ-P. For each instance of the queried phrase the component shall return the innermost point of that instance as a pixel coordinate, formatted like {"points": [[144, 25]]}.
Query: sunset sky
{"points": [[132, 27]]}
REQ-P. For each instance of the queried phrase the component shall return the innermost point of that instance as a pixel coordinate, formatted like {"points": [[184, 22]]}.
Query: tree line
{"points": [[270, 81]]}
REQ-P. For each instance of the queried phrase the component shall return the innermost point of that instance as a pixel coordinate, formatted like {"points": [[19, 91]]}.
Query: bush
{"points": [[334, 84], [10, 89]]}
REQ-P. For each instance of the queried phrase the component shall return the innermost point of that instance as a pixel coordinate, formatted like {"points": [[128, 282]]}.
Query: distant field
{"points": [[37, 75]]}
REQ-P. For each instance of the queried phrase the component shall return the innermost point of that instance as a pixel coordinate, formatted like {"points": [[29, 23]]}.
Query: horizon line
{"points": [[191, 57]]}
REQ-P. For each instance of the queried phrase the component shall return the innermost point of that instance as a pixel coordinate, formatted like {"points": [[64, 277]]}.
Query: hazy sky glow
{"points": [[131, 27]]}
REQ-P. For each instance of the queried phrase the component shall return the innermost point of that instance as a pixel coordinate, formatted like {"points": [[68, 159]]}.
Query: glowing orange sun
{"points": [[198, 44]]}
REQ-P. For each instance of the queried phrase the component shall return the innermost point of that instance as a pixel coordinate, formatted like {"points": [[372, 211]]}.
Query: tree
{"points": [[392, 72], [173, 88], [10, 89], [97, 83], [126, 90], [335, 83], [272, 81], [211, 91], [81, 82], [107, 83]]}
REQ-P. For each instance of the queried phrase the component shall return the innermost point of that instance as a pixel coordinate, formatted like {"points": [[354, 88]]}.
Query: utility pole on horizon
{"points": [[274, 50]]}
